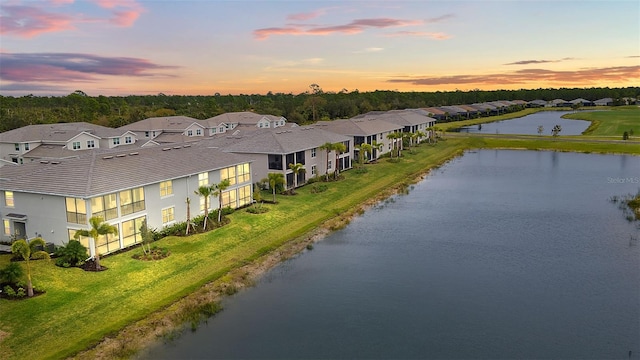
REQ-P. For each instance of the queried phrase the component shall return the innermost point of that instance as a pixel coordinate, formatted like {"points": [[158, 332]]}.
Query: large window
{"points": [[107, 243], [300, 157], [76, 145], [203, 179], [275, 162], [76, 211], [244, 173], [244, 195], [230, 174], [131, 201], [8, 199], [128, 139], [104, 207], [131, 231], [91, 144], [166, 188], [229, 199], [168, 215]]}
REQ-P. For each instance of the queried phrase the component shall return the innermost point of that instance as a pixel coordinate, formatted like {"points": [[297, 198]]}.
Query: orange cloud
{"points": [[432, 35], [584, 77]]}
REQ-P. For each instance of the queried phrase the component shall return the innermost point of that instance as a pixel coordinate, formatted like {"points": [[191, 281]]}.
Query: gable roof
{"points": [[103, 172], [60, 132], [168, 123], [358, 126]]}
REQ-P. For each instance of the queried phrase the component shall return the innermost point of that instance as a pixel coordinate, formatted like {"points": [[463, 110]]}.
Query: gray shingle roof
{"points": [[104, 172], [161, 123], [284, 141], [60, 132], [358, 127]]}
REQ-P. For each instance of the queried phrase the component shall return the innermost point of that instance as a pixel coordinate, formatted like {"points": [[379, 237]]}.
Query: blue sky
{"points": [[123, 47]]}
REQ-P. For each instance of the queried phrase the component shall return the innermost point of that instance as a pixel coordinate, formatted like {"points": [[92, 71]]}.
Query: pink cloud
{"points": [[69, 67], [525, 76], [306, 16], [27, 21], [353, 27], [432, 35]]}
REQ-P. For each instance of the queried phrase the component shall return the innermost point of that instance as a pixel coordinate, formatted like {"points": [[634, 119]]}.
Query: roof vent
{"points": [[44, 161], [55, 162], [187, 145], [177, 147], [107, 157], [121, 155], [166, 149], [133, 153]]}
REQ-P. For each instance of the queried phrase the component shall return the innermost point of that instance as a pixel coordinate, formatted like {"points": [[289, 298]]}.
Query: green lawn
{"points": [[80, 308], [612, 122]]}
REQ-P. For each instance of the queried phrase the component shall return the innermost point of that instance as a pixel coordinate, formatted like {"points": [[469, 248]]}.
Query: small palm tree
{"points": [[365, 149], [392, 138], [98, 227], [377, 146], [204, 191], [188, 201], [275, 180], [29, 251], [296, 168], [218, 189], [328, 147], [339, 148]]}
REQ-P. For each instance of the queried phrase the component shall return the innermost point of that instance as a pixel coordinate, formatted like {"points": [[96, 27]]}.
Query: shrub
{"points": [[11, 273], [318, 188], [73, 254], [9, 292], [21, 293]]}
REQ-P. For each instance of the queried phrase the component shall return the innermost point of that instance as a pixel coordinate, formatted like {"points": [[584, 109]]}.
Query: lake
{"points": [[497, 254], [528, 125]]}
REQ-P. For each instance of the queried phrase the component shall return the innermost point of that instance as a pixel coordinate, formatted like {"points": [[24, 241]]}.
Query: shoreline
{"points": [[135, 339]]}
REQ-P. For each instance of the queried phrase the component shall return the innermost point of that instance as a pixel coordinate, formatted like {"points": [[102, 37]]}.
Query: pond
{"points": [[497, 254], [528, 125]]}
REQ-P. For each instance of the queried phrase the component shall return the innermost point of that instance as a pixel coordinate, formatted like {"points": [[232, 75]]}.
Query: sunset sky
{"points": [[203, 47]]}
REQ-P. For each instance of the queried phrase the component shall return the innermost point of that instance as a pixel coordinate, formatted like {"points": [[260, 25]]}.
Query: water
{"points": [[498, 254], [528, 125]]}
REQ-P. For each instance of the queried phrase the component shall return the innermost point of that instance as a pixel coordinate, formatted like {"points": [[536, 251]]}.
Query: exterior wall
{"points": [[8, 150], [193, 130], [82, 139], [46, 216]]}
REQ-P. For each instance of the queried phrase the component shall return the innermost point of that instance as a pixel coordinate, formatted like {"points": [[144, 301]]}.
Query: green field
{"points": [[80, 308], [613, 122]]}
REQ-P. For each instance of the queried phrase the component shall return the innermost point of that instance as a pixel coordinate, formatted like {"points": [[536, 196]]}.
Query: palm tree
{"points": [[419, 136], [377, 146], [188, 215], [98, 227], [339, 148], [204, 191], [365, 149], [328, 147], [392, 137], [218, 189], [29, 251], [296, 168], [275, 179]]}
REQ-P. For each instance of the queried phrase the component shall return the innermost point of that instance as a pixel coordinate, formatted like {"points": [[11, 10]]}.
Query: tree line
{"points": [[303, 108]]}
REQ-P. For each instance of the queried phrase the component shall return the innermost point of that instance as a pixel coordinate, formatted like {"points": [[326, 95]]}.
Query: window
{"points": [[198, 132], [14, 159], [213, 130], [128, 139], [203, 179], [275, 162], [76, 211], [6, 224], [244, 173], [146, 134], [313, 152], [313, 170], [76, 145], [166, 188], [107, 243], [131, 231], [244, 195], [229, 199], [202, 204], [104, 207], [26, 147], [17, 147], [131, 201], [91, 144], [167, 215], [329, 165], [228, 174], [8, 199], [83, 239], [190, 133], [116, 141]]}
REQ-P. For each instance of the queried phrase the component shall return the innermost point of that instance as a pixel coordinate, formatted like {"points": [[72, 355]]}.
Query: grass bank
{"points": [[451, 126], [80, 309], [612, 122]]}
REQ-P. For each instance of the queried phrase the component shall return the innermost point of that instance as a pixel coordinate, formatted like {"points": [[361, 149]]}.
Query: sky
{"points": [[204, 47]]}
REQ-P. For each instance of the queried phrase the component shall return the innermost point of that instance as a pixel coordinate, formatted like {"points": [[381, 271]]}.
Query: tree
{"points": [[296, 168], [98, 228], [328, 147], [257, 194], [218, 189], [188, 201], [540, 129], [204, 191], [29, 251], [365, 149], [147, 237], [275, 180], [392, 137], [377, 146], [625, 135], [556, 130], [338, 148]]}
